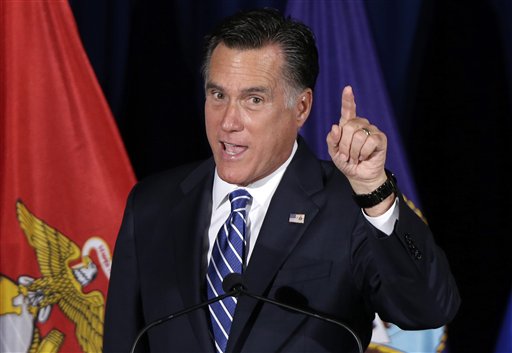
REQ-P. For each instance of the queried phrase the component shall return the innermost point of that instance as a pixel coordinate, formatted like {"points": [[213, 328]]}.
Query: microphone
{"points": [[233, 287], [228, 293], [232, 283]]}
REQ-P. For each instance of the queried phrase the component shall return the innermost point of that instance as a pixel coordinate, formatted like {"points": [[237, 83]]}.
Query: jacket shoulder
{"points": [[170, 181]]}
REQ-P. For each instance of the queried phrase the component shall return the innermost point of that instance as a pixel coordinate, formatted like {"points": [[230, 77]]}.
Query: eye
{"points": [[218, 95], [256, 100]]}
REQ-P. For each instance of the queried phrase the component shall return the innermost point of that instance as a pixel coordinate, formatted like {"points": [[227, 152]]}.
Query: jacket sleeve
{"points": [[406, 276]]}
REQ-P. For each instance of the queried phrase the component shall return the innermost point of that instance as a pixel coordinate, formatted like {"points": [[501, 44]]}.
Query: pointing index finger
{"points": [[348, 105]]}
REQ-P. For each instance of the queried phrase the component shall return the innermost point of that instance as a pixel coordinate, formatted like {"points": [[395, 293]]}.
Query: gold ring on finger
{"points": [[367, 132]]}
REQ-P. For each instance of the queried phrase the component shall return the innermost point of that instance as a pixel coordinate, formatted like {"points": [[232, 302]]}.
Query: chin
{"points": [[232, 177]]}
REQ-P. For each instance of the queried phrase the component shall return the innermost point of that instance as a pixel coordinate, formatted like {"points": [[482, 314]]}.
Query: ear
{"points": [[303, 105]]}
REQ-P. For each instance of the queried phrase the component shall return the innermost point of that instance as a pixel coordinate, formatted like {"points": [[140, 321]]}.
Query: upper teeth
{"points": [[231, 148]]}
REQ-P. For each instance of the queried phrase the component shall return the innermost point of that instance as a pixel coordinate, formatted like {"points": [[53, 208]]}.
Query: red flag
{"points": [[64, 178]]}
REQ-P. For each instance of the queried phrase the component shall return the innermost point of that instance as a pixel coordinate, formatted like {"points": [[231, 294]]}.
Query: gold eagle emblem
{"points": [[62, 283]]}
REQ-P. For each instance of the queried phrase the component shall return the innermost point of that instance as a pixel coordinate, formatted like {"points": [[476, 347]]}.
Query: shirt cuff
{"points": [[385, 222]]}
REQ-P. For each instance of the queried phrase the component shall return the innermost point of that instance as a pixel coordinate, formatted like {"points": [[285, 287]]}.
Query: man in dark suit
{"points": [[331, 237]]}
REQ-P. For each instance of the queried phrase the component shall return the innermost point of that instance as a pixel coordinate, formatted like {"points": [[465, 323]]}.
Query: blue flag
{"points": [[347, 56], [504, 344]]}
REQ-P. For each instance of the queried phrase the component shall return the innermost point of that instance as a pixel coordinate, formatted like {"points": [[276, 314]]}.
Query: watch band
{"points": [[378, 195]]}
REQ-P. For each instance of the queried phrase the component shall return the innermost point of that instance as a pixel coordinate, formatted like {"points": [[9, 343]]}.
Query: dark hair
{"points": [[258, 28]]}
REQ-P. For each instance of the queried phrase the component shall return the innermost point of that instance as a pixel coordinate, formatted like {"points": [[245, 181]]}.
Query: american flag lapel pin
{"points": [[296, 218]]}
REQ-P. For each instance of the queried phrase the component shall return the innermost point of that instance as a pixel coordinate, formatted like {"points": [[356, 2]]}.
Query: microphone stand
{"points": [[233, 287], [157, 322], [240, 290]]}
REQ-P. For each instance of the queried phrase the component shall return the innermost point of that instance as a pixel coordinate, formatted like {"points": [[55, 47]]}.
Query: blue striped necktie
{"points": [[227, 257]]}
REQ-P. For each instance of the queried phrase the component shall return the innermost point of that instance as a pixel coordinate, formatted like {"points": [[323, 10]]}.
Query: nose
{"points": [[231, 120]]}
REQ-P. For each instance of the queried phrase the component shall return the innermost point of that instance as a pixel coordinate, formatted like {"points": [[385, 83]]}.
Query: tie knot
{"points": [[239, 199]]}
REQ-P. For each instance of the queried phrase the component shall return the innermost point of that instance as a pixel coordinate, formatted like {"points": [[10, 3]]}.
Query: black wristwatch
{"points": [[379, 194]]}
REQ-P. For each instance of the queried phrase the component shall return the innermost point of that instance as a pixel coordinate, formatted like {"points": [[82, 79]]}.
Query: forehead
{"points": [[232, 67]]}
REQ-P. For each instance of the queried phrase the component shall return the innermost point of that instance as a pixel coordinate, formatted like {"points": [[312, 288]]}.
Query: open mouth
{"points": [[232, 149]]}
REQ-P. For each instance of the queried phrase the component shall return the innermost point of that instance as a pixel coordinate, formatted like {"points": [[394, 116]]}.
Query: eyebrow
{"points": [[210, 85], [257, 89], [249, 90]]}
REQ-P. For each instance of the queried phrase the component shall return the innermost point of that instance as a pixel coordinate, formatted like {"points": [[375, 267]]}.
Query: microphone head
{"points": [[232, 281]]}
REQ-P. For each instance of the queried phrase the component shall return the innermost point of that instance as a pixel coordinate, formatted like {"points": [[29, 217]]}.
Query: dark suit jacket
{"points": [[335, 263]]}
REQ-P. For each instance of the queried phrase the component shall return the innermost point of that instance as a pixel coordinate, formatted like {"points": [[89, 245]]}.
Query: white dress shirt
{"points": [[262, 192]]}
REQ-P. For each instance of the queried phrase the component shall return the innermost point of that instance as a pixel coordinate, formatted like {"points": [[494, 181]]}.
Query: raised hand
{"points": [[357, 147]]}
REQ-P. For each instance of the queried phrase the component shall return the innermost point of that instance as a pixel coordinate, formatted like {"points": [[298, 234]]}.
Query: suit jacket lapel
{"points": [[195, 209], [297, 193]]}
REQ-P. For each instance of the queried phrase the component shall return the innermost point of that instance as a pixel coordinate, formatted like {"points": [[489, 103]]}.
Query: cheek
{"points": [[277, 138], [285, 128], [211, 134], [210, 121]]}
